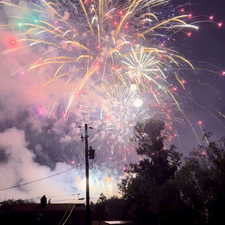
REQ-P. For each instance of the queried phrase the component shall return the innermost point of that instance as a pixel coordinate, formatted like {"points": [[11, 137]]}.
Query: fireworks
{"points": [[110, 59]]}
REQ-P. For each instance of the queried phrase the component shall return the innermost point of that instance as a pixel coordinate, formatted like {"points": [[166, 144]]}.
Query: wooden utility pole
{"points": [[88, 216]]}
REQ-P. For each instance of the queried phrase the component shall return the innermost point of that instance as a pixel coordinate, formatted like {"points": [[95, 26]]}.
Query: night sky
{"points": [[206, 49], [34, 145]]}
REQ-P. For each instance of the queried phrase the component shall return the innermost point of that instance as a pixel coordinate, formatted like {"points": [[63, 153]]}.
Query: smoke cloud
{"points": [[34, 142]]}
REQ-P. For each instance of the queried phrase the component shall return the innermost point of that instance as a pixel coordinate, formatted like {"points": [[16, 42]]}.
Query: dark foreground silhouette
{"points": [[163, 188]]}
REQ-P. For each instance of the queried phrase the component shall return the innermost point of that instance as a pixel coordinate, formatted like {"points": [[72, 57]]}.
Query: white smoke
{"points": [[20, 167]]}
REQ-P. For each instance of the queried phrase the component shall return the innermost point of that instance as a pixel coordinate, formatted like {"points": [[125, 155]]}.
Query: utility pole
{"points": [[89, 154], [88, 216]]}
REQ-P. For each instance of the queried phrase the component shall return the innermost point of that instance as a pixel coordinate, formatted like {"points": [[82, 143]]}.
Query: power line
{"points": [[36, 180], [63, 219], [64, 222]]}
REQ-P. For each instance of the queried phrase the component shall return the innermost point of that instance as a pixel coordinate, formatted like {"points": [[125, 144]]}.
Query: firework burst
{"points": [[110, 58]]}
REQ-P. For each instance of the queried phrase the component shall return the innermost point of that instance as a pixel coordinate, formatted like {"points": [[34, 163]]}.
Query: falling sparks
{"points": [[111, 59]]}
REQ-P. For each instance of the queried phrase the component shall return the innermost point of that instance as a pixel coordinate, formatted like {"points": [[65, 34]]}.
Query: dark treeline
{"points": [[165, 188]]}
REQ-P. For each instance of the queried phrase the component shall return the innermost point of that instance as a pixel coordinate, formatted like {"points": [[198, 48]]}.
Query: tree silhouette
{"points": [[100, 211], [201, 182], [144, 182]]}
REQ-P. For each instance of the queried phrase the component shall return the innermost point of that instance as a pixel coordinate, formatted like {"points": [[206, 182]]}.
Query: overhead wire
{"points": [[36, 180], [64, 222], [64, 216]]}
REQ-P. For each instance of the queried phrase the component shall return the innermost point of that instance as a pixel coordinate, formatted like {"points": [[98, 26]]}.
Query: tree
{"points": [[116, 208], [144, 182], [201, 183], [163, 162], [100, 211]]}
